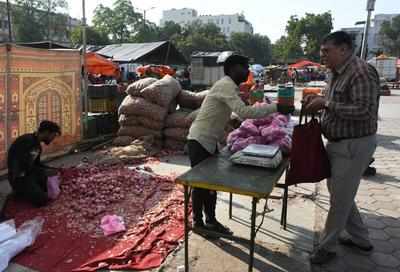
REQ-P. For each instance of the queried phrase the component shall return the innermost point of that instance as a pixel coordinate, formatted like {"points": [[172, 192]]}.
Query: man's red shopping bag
{"points": [[308, 159]]}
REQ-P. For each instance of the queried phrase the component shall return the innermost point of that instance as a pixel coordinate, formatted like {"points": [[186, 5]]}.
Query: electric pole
{"points": [[370, 8], [84, 75]]}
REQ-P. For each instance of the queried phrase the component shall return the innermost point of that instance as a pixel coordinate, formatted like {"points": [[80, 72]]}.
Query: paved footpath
{"points": [[379, 201]]}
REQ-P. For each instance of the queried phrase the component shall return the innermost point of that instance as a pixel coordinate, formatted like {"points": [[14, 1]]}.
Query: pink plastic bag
{"points": [[263, 121], [53, 187], [235, 135], [248, 127], [111, 224]]}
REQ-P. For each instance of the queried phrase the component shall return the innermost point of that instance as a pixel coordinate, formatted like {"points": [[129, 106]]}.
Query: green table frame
{"points": [[219, 174]]}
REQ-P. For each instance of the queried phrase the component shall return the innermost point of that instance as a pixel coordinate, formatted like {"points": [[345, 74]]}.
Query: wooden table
{"points": [[219, 174]]}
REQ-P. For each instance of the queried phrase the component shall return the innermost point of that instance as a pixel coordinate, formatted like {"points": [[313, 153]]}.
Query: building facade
{"points": [[374, 42], [227, 23]]}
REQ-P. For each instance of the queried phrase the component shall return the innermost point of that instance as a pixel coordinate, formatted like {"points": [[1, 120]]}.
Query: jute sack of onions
{"points": [[182, 118], [139, 131], [162, 92], [135, 88], [139, 106]]}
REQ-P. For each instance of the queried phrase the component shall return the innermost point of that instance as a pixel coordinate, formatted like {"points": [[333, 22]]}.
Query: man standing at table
{"points": [[208, 129], [349, 122]]}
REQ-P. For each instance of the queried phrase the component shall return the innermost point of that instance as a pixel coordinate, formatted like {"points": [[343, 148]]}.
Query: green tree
{"points": [[93, 37], [200, 37], [303, 37], [170, 31], [118, 22], [36, 20], [254, 46], [148, 32], [286, 49], [313, 28], [390, 32]]}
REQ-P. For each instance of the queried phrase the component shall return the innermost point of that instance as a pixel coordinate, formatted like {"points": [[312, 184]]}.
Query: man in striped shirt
{"points": [[349, 122]]}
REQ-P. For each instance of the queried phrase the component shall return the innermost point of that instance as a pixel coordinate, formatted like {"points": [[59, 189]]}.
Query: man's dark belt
{"points": [[335, 140]]}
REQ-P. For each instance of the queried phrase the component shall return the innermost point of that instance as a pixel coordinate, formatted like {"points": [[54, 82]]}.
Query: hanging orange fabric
{"points": [[96, 64], [245, 87]]}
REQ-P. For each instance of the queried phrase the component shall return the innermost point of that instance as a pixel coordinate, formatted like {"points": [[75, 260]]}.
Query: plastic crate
{"points": [[91, 127], [98, 91], [102, 91], [107, 123], [102, 105]]}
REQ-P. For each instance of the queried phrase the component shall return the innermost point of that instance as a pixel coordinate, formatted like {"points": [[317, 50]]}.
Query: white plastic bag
{"points": [[25, 236], [7, 230]]}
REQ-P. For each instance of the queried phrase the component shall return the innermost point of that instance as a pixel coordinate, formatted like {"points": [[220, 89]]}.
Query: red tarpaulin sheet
{"points": [[144, 245]]}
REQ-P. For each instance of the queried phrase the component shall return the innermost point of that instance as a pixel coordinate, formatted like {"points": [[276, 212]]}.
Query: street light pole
{"points": [[144, 16], [370, 8], [85, 77], [144, 19]]}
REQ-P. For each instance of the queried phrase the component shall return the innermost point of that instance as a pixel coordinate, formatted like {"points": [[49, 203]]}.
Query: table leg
{"points": [[230, 205], [285, 203], [253, 233], [186, 228]]}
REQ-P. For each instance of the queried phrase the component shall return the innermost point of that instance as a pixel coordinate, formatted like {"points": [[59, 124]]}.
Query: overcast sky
{"points": [[268, 17]]}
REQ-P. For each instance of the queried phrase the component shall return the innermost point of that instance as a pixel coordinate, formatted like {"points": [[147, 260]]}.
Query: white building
{"points": [[374, 38], [227, 23]]}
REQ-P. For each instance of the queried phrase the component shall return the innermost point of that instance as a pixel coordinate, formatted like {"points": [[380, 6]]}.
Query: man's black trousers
{"points": [[201, 198], [32, 187]]}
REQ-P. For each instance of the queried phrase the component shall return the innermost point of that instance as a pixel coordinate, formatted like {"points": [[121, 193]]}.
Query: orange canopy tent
{"points": [[304, 63], [96, 64]]}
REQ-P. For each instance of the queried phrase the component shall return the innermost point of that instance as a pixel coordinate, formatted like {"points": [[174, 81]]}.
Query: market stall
{"points": [[104, 95], [272, 74], [306, 71], [163, 52], [96, 64]]}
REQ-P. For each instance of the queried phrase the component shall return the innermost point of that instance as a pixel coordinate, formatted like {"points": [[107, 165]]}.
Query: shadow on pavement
{"points": [[389, 142], [383, 178], [298, 231], [271, 261]]}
